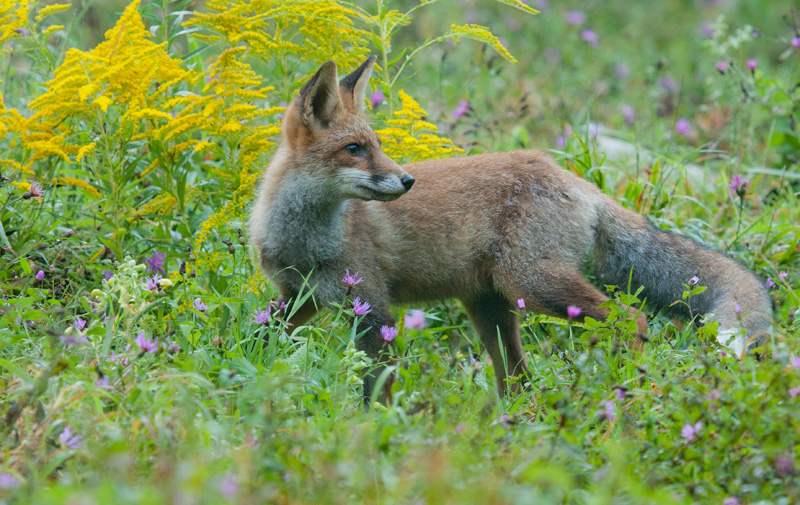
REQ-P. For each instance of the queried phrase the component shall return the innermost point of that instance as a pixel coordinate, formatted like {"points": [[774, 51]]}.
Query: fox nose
{"points": [[407, 181]]}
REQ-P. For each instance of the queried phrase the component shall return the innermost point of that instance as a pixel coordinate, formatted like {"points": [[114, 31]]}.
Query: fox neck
{"points": [[305, 226]]}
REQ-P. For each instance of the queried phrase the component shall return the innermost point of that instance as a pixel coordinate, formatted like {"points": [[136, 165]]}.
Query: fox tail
{"points": [[662, 262]]}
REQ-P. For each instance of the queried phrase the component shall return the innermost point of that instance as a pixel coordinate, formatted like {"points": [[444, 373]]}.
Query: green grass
{"points": [[228, 419]]}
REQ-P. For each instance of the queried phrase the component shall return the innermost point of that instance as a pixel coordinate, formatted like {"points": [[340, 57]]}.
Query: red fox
{"points": [[488, 229]]}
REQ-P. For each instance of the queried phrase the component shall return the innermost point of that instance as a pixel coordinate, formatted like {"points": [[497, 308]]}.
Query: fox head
{"points": [[326, 136]]}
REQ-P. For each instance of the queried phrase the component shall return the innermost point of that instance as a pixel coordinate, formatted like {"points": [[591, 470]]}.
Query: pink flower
{"points": [[794, 361], [737, 309], [783, 274], [103, 383], [9, 481], [34, 192], [351, 280], [261, 316], [156, 262], [573, 311], [389, 333], [731, 500], [40, 275], [561, 142], [694, 280], [752, 64], [690, 432], [79, 324], [621, 393], [229, 486], [199, 305], [629, 113], [684, 127], [145, 344], [521, 304], [172, 347], [575, 18], [463, 108], [738, 185], [361, 308], [151, 283], [590, 36], [794, 392], [609, 411], [415, 320], [669, 84], [722, 66], [770, 283], [72, 340], [70, 439], [376, 98], [795, 43]]}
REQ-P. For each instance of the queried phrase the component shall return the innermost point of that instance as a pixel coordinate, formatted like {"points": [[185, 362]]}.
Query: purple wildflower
{"points": [[151, 283], [694, 281], [361, 308], [108, 274], [620, 392], [70, 439], [103, 383], [573, 311], [40, 275], [738, 185], [794, 361], [144, 344], [690, 432], [575, 18], [377, 98], [351, 280], [731, 500], [706, 30], [460, 428], [752, 64], [229, 486], [262, 316], [795, 43], [737, 309], [721, 66], [669, 84], [590, 36], [67, 234], [783, 274], [561, 142], [172, 347], [770, 283], [622, 71], [156, 263], [684, 127], [521, 304], [609, 411], [756, 34], [72, 340], [463, 108], [34, 192], [79, 324], [199, 305], [784, 466], [415, 320], [629, 113], [794, 392], [389, 333], [9, 481]]}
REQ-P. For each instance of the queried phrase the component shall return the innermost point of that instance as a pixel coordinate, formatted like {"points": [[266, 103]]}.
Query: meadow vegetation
{"points": [[140, 358]]}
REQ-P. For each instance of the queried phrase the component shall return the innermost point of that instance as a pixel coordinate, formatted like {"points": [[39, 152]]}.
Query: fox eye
{"points": [[355, 150]]}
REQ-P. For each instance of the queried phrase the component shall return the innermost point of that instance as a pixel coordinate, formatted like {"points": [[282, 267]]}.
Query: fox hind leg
{"points": [[498, 328]]}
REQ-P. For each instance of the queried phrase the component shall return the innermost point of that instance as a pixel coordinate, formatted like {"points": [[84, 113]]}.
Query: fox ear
{"points": [[320, 96], [354, 85]]}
